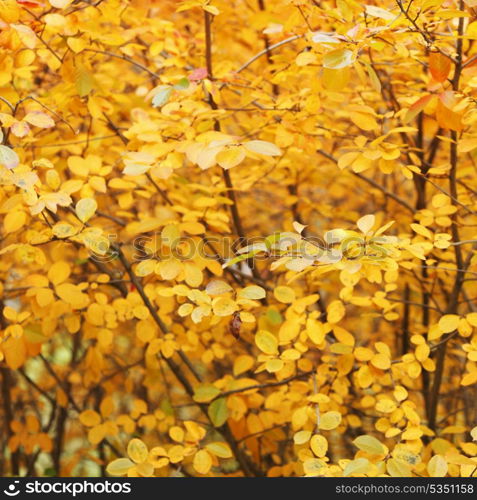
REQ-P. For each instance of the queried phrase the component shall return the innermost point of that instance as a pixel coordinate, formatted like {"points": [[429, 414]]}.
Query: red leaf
{"points": [[235, 324], [417, 107], [30, 3], [198, 74]]}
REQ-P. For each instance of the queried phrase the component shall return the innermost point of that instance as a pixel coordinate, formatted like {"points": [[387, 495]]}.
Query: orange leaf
{"points": [[446, 118], [439, 66]]}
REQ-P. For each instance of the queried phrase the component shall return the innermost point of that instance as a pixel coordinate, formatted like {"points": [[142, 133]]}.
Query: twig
{"points": [[267, 50], [264, 385], [372, 182], [124, 58]]}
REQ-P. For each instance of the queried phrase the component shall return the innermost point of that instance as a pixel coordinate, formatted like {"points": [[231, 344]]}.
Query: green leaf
{"points": [[80, 262], [240, 258], [272, 239], [274, 317], [182, 84], [167, 408], [218, 412], [205, 393]]}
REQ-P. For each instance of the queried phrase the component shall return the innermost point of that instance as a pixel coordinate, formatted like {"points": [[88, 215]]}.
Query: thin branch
{"points": [[267, 50], [265, 385], [372, 182], [124, 58]]}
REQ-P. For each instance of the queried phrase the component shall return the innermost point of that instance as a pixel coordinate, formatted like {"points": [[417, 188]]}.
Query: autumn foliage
{"points": [[238, 238]]}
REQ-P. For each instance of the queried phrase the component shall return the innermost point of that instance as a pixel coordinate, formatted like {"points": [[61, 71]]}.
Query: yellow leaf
{"points": [[398, 468], [193, 275], [72, 295], [177, 433], [170, 235], [224, 306], [313, 466], [185, 310], [330, 420], [242, 364], [60, 4], [219, 449], [76, 44], [85, 209], [45, 297], [469, 378], [274, 365], [145, 331], [335, 311], [146, 267], [366, 223], [97, 434], [302, 437], [370, 445], [343, 336], [169, 269], [39, 119], [338, 59], [137, 451], [473, 433], [364, 121], [358, 466], [449, 323], [26, 35], [14, 221], [284, 294], [90, 418], [119, 467], [319, 445], [381, 361], [335, 79], [218, 287], [266, 342], [305, 58], [230, 157], [9, 11], [263, 148], [59, 272], [437, 466], [83, 80], [194, 228], [472, 317], [202, 462], [144, 469], [211, 9], [15, 352], [385, 405], [253, 292]]}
